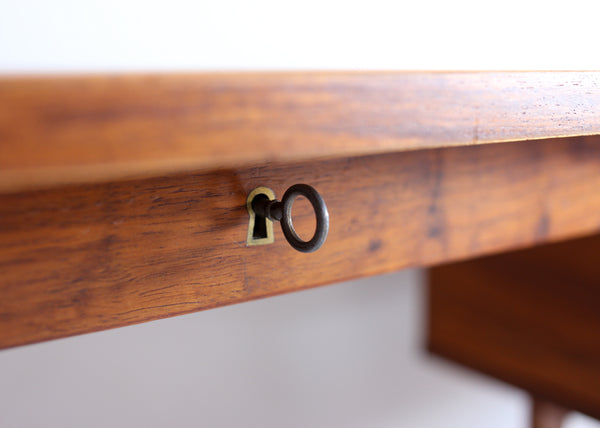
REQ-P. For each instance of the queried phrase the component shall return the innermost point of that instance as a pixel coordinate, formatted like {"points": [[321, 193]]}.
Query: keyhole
{"points": [[260, 222]]}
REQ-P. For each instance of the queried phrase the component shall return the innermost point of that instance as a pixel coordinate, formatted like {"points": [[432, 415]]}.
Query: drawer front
{"points": [[92, 257]]}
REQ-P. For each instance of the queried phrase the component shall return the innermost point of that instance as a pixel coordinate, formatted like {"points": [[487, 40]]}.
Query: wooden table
{"points": [[123, 200]]}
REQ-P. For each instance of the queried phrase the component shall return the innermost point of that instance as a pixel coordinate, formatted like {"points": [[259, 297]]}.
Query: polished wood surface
{"points": [[91, 257], [83, 129], [530, 318]]}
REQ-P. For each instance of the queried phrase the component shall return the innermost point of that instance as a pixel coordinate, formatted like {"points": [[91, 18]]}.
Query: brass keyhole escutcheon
{"points": [[260, 228]]}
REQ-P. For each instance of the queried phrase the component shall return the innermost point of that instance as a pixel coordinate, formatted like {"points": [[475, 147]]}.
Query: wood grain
{"points": [[530, 318], [65, 130], [92, 257]]}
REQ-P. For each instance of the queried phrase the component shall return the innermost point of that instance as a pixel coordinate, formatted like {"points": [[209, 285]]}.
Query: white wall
{"points": [[94, 35], [341, 356]]}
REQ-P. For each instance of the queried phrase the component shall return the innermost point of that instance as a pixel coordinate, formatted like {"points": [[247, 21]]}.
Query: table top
{"points": [[96, 128]]}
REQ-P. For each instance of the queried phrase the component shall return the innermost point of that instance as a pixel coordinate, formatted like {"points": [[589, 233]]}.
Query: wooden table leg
{"points": [[545, 414], [530, 318]]}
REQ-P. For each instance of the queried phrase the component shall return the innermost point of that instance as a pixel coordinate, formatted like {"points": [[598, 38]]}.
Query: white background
{"points": [[348, 355], [63, 35]]}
